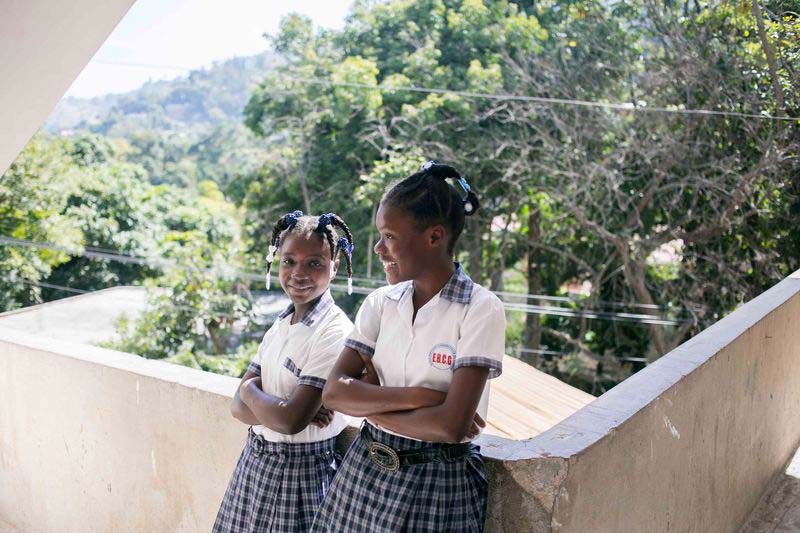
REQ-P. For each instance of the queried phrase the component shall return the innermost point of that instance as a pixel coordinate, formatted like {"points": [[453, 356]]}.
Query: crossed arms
{"points": [[426, 414], [252, 406]]}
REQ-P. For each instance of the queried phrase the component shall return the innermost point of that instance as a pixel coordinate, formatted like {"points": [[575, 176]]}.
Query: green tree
{"points": [[32, 202]]}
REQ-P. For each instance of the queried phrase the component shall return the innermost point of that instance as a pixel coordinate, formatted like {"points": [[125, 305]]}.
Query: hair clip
{"points": [[268, 280], [428, 164], [349, 285], [464, 185]]}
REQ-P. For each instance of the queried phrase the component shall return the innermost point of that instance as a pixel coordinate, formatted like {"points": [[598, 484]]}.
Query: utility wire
{"points": [[379, 282], [161, 262], [624, 107], [518, 350], [66, 288], [627, 106]]}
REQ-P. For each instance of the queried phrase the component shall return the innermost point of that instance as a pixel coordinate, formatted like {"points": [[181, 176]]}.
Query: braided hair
{"points": [[431, 200], [325, 225]]}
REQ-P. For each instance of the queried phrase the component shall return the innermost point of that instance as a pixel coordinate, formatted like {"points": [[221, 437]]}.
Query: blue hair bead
{"points": [[346, 246], [325, 220], [291, 218]]}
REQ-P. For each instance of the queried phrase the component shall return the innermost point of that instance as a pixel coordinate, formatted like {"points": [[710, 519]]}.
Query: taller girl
{"points": [[416, 366]]}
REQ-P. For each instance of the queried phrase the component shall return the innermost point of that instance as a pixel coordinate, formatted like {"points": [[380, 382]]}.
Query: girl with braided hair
{"points": [[288, 461], [417, 366]]}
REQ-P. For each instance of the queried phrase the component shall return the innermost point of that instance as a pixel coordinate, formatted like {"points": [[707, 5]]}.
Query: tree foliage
{"points": [[569, 117], [655, 208]]}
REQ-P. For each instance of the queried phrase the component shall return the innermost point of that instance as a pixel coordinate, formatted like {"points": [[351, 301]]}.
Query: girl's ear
{"points": [[436, 235], [335, 268]]}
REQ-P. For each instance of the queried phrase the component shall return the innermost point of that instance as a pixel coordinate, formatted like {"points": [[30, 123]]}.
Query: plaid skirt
{"points": [[436, 496], [276, 486]]}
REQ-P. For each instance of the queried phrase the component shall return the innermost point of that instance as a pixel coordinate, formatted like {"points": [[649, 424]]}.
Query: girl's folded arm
{"points": [[239, 410], [346, 393], [288, 416], [448, 422]]}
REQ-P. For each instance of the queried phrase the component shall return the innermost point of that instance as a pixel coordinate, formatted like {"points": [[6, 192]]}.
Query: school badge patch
{"points": [[442, 356]]}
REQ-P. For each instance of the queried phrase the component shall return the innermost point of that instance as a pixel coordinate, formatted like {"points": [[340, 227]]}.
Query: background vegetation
{"points": [[613, 233]]}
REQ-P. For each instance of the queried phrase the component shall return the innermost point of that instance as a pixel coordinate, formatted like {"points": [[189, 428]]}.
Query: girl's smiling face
{"points": [[401, 245], [304, 270]]}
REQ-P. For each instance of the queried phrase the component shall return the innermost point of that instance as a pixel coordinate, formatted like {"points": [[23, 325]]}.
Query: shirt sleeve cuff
{"points": [[495, 367], [360, 347], [313, 381], [255, 368]]}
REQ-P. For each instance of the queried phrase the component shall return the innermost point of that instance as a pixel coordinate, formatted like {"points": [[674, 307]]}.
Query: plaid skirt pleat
{"points": [[436, 496], [276, 486]]}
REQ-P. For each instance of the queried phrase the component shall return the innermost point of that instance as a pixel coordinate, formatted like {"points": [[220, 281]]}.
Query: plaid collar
{"points": [[316, 311], [458, 288]]}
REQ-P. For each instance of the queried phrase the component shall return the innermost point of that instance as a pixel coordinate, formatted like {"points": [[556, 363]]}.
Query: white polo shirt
{"points": [[302, 354], [463, 325]]}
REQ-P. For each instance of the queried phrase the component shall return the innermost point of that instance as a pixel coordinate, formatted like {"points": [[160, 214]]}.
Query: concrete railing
{"points": [[687, 444], [97, 440]]}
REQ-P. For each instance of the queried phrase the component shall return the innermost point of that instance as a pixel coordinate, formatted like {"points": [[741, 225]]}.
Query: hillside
{"points": [[190, 105]]}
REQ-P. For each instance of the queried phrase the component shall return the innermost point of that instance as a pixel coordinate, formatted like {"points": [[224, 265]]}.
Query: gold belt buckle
{"points": [[384, 457]]}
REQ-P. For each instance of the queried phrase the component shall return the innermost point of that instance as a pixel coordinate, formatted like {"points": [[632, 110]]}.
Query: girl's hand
{"points": [[370, 375], [475, 429], [322, 418]]}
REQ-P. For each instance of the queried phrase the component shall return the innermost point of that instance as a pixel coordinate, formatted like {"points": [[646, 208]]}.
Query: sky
{"points": [[163, 39]]}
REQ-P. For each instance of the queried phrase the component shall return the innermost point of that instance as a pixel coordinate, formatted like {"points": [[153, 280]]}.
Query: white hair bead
{"points": [[271, 254], [268, 281], [349, 285]]}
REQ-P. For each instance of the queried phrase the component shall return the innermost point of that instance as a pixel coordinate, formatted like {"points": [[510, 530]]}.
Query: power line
{"points": [[627, 106], [573, 300], [518, 350], [66, 288], [143, 65], [624, 107], [596, 315], [379, 282], [531, 309], [46, 285], [160, 262]]}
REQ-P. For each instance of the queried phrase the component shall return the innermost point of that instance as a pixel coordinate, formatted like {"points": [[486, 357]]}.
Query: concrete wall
{"points": [[96, 440], [687, 444], [92, 439], [44, 45]]}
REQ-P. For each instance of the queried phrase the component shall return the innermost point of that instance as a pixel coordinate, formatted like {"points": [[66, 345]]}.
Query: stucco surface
{"points": [[688, 444], [106, 441]]}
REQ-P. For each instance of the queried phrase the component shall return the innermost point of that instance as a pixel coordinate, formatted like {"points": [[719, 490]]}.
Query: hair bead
{"points": [[271, 254], [325, 220]]}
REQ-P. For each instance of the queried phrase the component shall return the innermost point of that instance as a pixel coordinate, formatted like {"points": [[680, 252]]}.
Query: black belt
{"points": [[390, 460]]}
